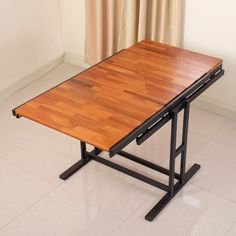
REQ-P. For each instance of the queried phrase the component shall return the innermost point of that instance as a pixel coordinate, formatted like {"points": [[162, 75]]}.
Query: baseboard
{"points": [[75, 59], [216, 107], [27, 79]]}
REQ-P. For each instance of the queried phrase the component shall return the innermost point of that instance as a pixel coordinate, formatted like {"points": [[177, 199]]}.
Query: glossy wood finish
{"points": [[103, 104]]}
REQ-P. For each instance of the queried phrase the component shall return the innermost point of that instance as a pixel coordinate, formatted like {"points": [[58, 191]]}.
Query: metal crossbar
{"points": [[171, 188], [145, 131]]}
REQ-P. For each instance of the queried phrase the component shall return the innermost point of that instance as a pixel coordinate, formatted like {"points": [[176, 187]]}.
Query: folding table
{"points": [[127, 97]]}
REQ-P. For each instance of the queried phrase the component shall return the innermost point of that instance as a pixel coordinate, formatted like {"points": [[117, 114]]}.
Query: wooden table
{"points": [[126, 97]]}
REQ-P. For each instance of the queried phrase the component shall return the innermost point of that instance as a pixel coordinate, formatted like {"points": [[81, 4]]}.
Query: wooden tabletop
{"points": [[103, 104]]}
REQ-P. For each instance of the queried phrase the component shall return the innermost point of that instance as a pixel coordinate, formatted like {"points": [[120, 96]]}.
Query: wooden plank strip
{"points": [[103, 104]]}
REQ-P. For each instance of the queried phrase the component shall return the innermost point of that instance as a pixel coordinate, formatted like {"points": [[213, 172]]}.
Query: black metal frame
{"points": [[146, 130]]}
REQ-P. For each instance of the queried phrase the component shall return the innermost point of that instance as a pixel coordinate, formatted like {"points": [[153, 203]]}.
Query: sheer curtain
{"points": [[112, 25]]}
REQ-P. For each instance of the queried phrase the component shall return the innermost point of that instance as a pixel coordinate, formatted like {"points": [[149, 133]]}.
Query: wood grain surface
{"points": [[103, 104]]}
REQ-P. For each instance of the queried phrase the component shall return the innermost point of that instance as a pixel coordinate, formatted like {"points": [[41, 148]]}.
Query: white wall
{"points": [[30, 37], [73, 26], [210, 27]]}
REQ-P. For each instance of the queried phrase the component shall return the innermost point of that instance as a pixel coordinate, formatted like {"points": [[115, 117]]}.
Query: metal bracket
{"points": [[14, 114]]}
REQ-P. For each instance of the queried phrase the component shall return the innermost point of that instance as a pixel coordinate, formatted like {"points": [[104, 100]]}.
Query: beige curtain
{"points": [[112, 25]]}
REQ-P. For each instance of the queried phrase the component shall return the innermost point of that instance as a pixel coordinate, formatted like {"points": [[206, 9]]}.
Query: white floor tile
{"points": [[61, 213], [227, 135], [47, 155], [192, 212], [15, 132], [232, 231], [217, 173], [18, 191], [109, 190], [205, 123]]}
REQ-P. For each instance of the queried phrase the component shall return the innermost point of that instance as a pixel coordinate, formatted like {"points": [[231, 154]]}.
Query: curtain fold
{"points": [[104, 20], [112, 25]]}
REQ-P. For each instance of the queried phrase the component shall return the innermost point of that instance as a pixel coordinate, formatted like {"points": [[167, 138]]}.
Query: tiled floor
{"points": [[101, 201]]}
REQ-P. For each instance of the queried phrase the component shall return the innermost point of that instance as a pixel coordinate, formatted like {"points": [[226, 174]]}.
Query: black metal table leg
{"points": [[167, 198], [172, 152], [173, 188], [184, 142], [82, 162], [83, 150], [70, 171], [182, 149]]}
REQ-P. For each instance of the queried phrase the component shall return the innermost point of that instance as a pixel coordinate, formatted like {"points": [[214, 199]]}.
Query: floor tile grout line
{"points": [[18, 146], [126, 219], [226, 145], [207, 142], [144, 213], [110, 214], [131, 214], [138, 207], [220, 128], [202, 147], [31, 172], [29, 207], [231, 227], [141, 204], [214, 193]]}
